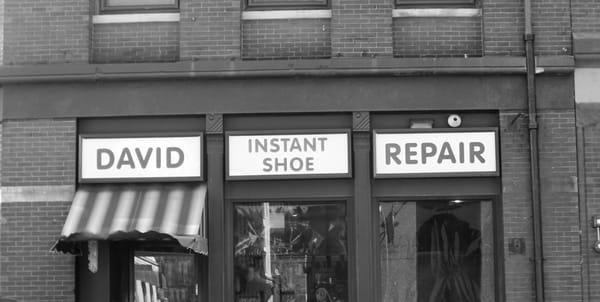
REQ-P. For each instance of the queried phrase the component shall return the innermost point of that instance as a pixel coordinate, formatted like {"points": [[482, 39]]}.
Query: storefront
{"points": [[312, 187]]}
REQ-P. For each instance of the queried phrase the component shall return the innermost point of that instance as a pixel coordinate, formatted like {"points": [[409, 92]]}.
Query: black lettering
{"points": [[267, 166], [126, 159], [99, 155], [310, 164], [295, 145], [476, 149], [285, 144], [461, 152], [296, 164], [446, 153], [282, 164], [180, 157], [322, 140], [274, 145], [427, 150], [158, 158], [143, 160], [409, 153], [391, 153], [310, 144], [258, 145]]}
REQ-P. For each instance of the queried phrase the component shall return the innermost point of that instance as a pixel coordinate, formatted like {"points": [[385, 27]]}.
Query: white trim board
{"points": [[287, 14], [436, 12], [135, 18]]}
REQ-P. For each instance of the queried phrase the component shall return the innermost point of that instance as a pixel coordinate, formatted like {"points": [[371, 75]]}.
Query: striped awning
{"points": [[140, 211]]}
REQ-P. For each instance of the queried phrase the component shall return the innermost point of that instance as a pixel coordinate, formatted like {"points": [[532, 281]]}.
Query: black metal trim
{"points": [[106, 8], [284, 5]]}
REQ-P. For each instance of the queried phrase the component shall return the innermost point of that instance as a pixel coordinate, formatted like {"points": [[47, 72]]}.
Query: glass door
{"points": [[437, 250]]}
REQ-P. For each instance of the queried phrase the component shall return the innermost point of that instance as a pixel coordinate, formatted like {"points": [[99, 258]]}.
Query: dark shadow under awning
{"points": [[140, 211]]}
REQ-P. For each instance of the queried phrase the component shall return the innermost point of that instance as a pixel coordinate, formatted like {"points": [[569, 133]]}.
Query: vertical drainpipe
{"points": [[534, 155]]}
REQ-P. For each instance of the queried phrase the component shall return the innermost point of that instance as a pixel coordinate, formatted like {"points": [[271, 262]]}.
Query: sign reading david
{"points": [[288, 155], [130, 159], [436, 153]]}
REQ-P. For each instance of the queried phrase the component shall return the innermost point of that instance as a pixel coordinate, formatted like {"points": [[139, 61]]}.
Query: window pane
{"points": [[290, 252], [437, 251], [116, 3], [165, 277]]}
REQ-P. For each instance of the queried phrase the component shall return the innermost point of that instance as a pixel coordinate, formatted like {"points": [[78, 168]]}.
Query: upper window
{"points": [[435, 3], [286, 4], [137, 5]]}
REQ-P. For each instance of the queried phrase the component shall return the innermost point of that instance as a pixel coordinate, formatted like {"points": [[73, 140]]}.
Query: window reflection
{"points": [[165, 277], [290, 252], [437, 251]]}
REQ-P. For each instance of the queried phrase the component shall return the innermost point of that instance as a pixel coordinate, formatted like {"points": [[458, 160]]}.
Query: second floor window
{"points": [[138, 5]]}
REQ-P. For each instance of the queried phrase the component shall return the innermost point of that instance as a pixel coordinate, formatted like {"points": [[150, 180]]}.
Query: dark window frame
{"points": [[497, 229], [122, 270], [285, 5], [435, 3], [106, 8]]}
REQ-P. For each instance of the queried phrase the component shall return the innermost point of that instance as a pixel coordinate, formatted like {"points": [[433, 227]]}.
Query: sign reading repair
{"points": [[142, 158], [425, 154], [291, 155]]}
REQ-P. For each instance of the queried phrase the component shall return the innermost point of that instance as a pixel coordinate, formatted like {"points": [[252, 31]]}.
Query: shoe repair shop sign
{"points": [[288, 155], [435, 153], [131, 158]]}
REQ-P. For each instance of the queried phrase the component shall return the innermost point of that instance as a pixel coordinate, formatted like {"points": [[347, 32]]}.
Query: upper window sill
{"points": [[436, 12], [287, 14], [135, 18]]}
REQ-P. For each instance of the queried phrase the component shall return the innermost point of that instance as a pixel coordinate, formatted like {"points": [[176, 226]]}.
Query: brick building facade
{"points": [[73, 68]]}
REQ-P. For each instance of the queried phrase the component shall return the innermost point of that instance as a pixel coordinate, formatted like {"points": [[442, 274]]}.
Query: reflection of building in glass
{"points": [[304, 258]]}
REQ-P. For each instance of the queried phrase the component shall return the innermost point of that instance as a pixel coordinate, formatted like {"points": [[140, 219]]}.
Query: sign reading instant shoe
{"points": [[131, 158], [435, 153], [288, 155]]}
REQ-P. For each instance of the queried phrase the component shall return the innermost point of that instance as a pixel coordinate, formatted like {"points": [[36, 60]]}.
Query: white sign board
{"points": [[288, 155], [426, 154], [140, 158]]}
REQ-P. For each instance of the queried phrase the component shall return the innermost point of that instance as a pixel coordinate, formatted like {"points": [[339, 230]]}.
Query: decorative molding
{"points": [[361, 121], [287, 14], [135, 18], [37, 193], [214, 123], [436, 12]]}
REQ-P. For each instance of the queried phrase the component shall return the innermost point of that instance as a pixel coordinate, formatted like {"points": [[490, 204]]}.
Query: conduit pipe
{"points": [[536, 205]]}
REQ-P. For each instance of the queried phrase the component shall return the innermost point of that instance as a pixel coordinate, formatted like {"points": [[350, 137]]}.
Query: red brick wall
{"points": [[40, 32], [437, 37], [516, 203], [210, 29], [592, 177], [503, 28], [361, 28], [552, 27], [28, 271], [135, 42], [38, 152], [586, 16], [560, 209], [286, 39]]}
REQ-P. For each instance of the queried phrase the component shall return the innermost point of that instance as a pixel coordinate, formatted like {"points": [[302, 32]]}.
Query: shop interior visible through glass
{"points": [[437, 251], [290, 252]]}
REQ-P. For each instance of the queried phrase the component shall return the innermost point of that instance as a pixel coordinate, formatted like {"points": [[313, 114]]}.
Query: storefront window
{"points": [[162, 277], [290, 252], [437, 251]]}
